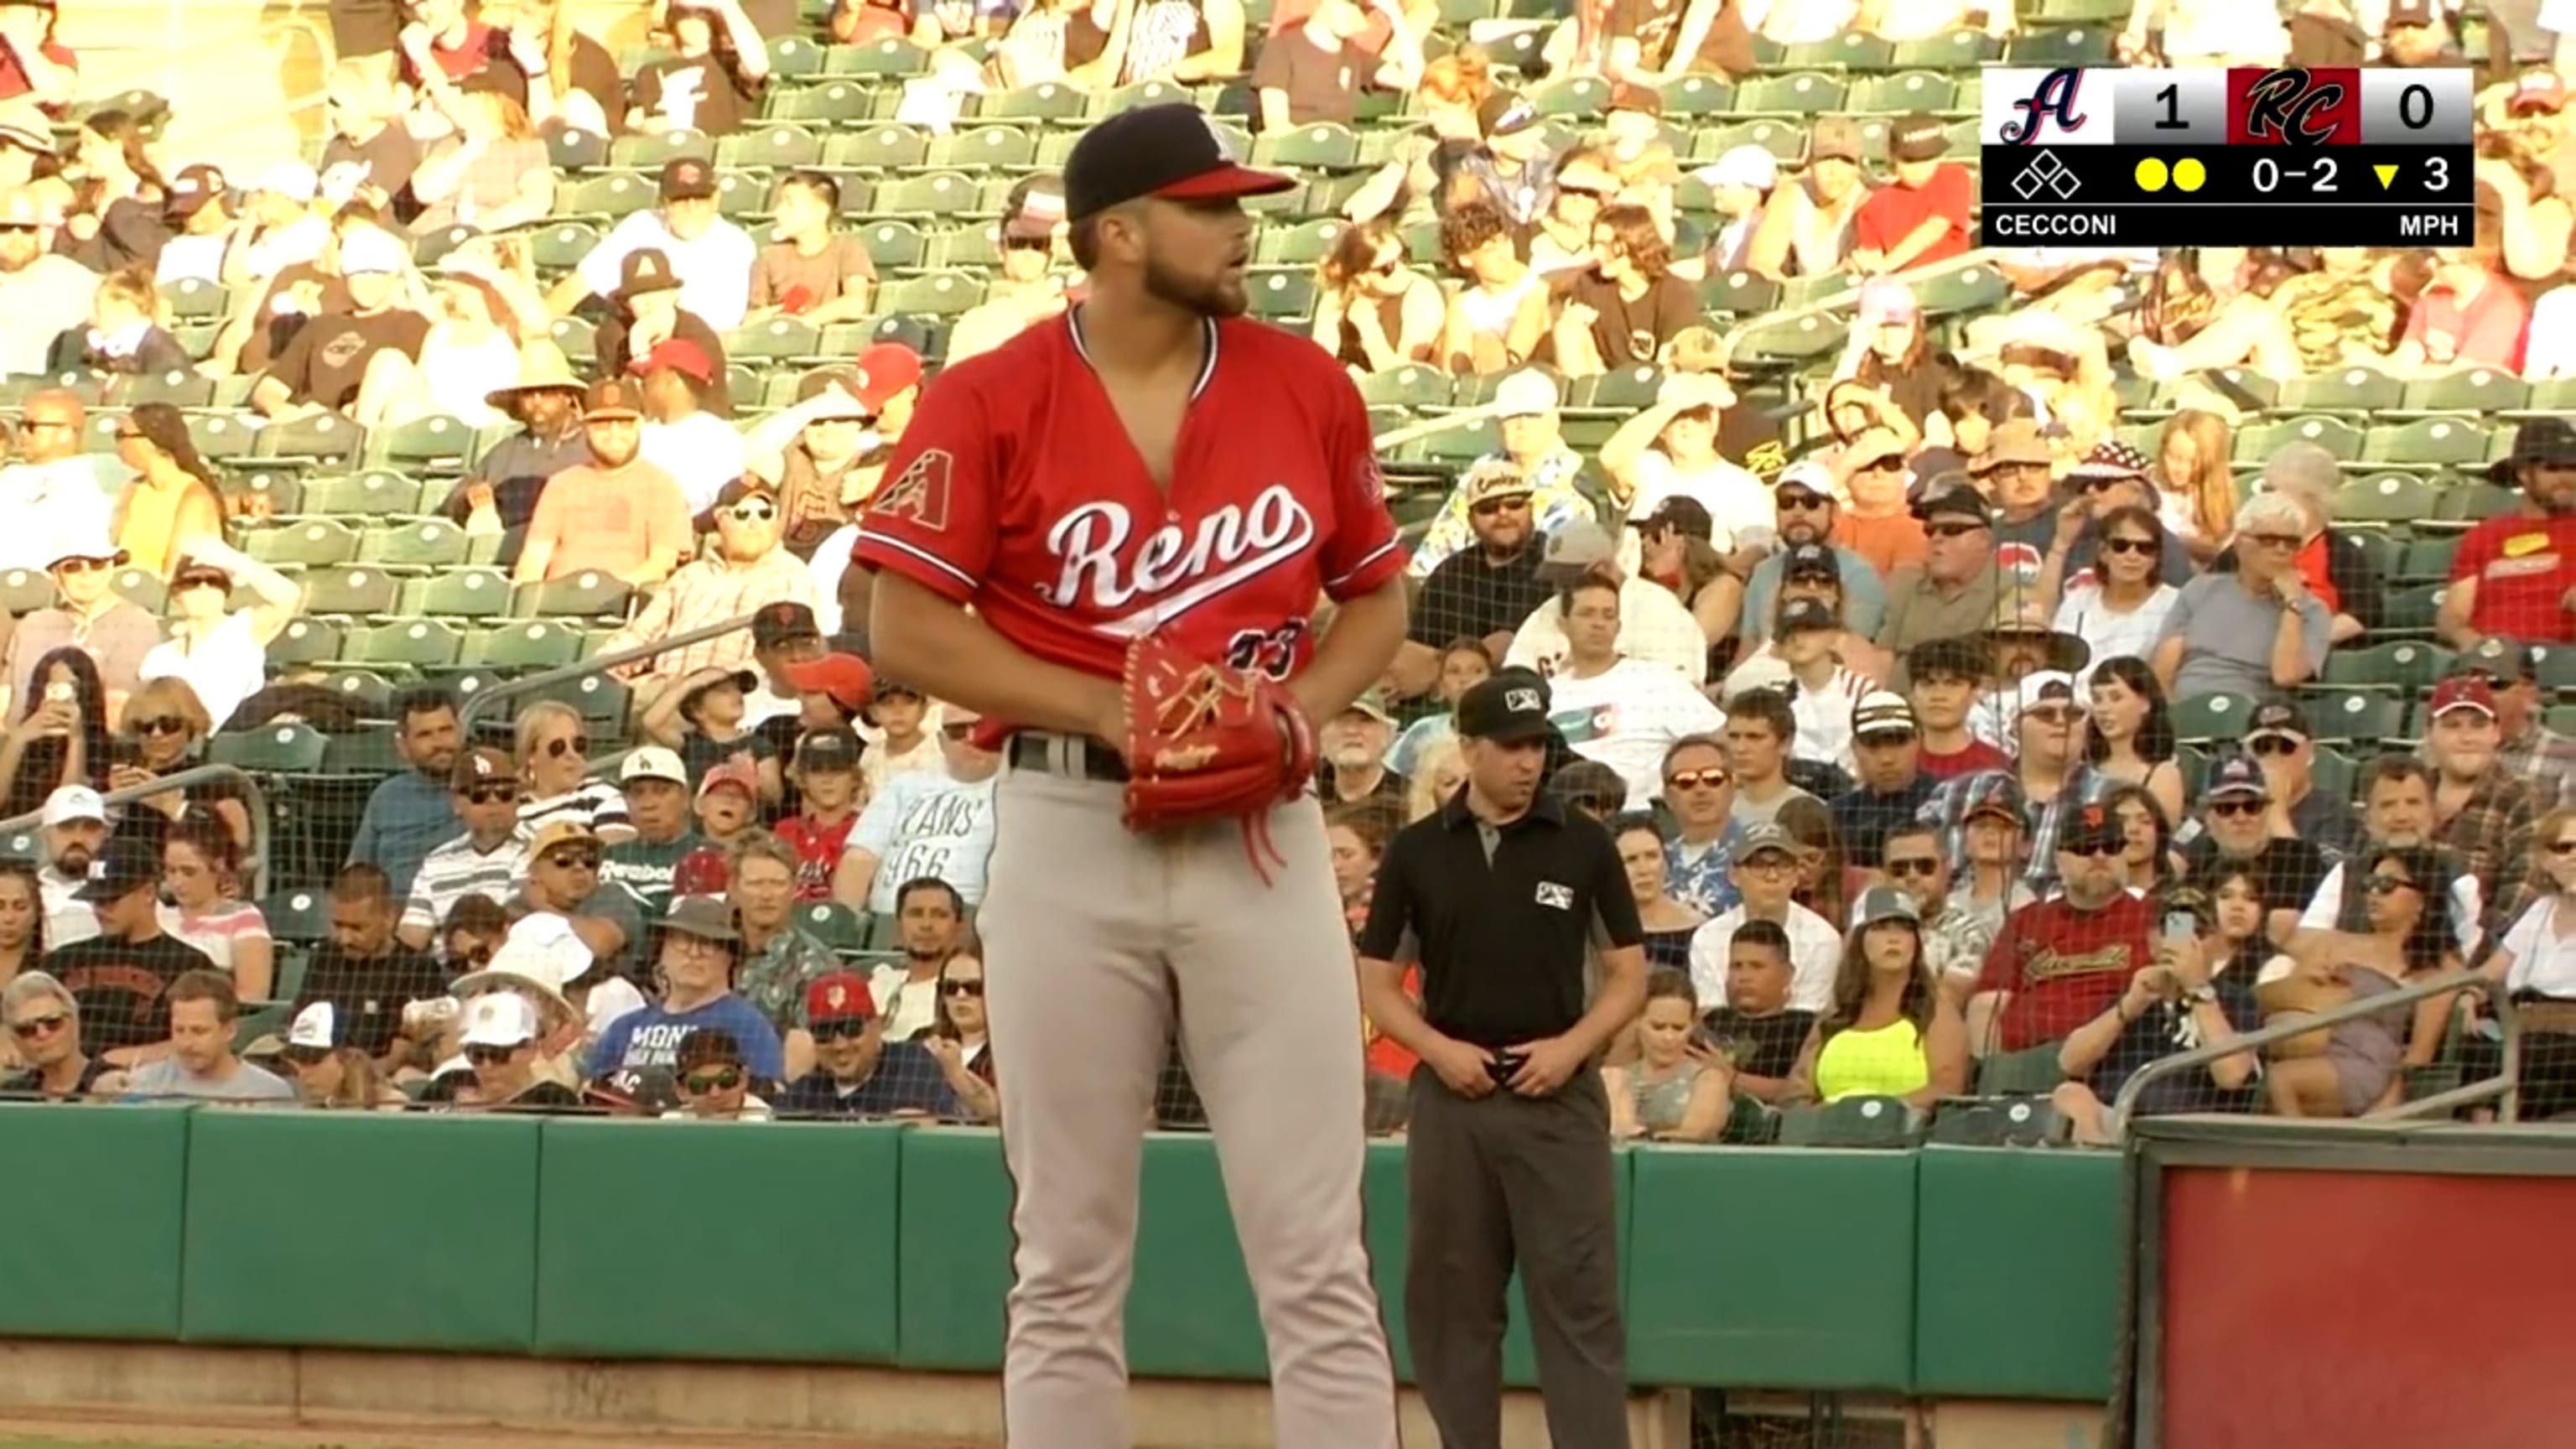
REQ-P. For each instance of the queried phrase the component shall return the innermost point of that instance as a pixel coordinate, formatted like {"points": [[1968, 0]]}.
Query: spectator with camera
{"points": [[2186, 999]]}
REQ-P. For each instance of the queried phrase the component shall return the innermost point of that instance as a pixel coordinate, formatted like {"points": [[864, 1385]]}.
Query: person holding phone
{"points": [[61, 735], [2184, 999]]}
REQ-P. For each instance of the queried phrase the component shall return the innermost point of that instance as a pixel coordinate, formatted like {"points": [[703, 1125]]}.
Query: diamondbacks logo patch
{"points": [[919, 495]]}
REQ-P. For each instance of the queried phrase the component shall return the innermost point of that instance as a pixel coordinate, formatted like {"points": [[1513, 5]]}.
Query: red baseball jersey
{"points": [[1016, 490]]}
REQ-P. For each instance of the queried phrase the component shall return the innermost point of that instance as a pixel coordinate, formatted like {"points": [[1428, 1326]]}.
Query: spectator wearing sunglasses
{"points": [[485, 860], [747, 571], [552, 744], [2257, 632], [563, 881], [44, 1030], [961, 1038], [715, 1084], [2241, 827], [500, 1045], [158, 733], [698, 950], [2278, 738], [472, 931], [858, 1073], [220, 651]]}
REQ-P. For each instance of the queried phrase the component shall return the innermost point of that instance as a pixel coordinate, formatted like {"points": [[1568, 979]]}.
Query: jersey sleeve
{"points": [[934, 520], [1362, 553]]}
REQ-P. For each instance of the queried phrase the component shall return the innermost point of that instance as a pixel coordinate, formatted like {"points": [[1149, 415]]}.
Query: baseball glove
{"points": [[1205, 740]]}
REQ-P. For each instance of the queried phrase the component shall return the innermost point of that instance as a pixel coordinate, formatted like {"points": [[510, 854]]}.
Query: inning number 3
{"points": [[1271, 651]]}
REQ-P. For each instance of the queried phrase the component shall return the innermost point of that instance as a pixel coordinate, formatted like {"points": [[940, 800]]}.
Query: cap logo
{"points": [[1224, 143], [98, 868], [919, 495], [836, 996], [1522, 701]]}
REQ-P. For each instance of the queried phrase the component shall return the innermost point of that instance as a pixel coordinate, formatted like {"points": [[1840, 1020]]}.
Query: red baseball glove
{"points": [[1206, 740]]}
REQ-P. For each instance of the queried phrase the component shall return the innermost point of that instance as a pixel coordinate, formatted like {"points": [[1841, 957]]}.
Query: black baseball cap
{"points": [[2236, 775], [1811, 561], [1504, 709], [2091, 826], [1172, 150], [832, 748], [1955, 502], [1682, 514], [686, 178], [123, 866], [2506, 661], [780, 622], [1806, 614]]}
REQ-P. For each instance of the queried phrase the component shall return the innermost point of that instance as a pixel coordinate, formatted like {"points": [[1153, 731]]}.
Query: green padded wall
{"points": [[2018, 1293], [800, 1216], [956, 1256], [1191, 1313], [90, 1238], [350, 1229], [1766, 1267]]}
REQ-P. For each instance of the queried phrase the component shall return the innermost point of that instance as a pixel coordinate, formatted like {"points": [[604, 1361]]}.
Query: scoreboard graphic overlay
{"points": [[2324, 156]]}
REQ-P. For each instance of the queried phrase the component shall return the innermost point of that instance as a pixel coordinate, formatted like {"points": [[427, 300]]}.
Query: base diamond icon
{"points": [[2047, 172]]}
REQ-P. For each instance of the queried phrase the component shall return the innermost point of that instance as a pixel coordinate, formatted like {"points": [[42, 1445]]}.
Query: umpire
{"points": [[1502, 894]]}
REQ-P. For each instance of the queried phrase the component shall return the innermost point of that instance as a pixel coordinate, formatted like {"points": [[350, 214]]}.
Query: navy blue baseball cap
{"points": [[1171, 150]]}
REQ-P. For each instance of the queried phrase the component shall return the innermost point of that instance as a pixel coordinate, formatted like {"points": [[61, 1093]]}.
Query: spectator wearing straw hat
{"points": [[500, 491], [616, 514], [1923, 217]]}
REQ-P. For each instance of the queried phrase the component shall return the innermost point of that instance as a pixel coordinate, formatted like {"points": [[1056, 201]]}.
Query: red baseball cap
{"points": [[701, 872], [2464, 691], [1171, 150], [738, 775], [845, 677], [884, 369], [679, 354], [839, 996]]}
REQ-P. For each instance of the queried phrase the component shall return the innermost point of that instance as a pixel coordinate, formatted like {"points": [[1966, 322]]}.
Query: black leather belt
{"points": [[1037, 752]]}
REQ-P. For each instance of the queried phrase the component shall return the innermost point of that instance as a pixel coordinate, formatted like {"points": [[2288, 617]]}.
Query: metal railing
{"points": [[2503, 1088], [254, 857], [476, 705]]}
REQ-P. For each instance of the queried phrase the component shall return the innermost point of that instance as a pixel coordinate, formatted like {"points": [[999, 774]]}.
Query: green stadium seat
{"points": [[2427, 560], [2076, 45], [430, 247], [278, 749], [1975, 288], [1863, 1122], [350, 591], [1320, 147], [2357, 390], [776, 339], [220, 439], [525, 646], [1282, 296], [1851, 51], [1895, 95], [302, 917], [653, 150], [23, 845], [2356, 715], [1738, 293], [835, 925], [142, 589], [617, 194], [1808, 93], [2034, 1069], [23, 591], [2467, 503], [1787, 341], [986, 148], [892, 245], [307, 641], [1048, 101], [313, 543], [364, 753], [376, 493], [425, 445], [322, 440], [1581, 96], [878, 148], [280, 495], [2383, 551], [938, 194], [1300, 245], [1140, 93], [2471, 390], [603, 701], [1622, 390], [2080, 12], [942, 294], [1785, 142], [2014, 1121], [2399, 666], [2212, 717], [774, 146], [1409, 386], [582, 595], [834, 102], [577, 338], [418, 644], [431, 543], [196, 299], [1957, 53], [574, 151], [793, 57], [2396, 498], [889, 59], [177, 388], [1691, 96], [2411, 611], [2436, 441], [2257, 442]]}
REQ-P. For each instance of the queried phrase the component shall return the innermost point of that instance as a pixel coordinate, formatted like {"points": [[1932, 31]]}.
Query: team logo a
{"points": [[2294, 107], [2053, 99], [919, 495]]}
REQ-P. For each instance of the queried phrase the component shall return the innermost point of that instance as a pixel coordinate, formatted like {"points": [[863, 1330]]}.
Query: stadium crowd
{"points": [[1999, 670]]}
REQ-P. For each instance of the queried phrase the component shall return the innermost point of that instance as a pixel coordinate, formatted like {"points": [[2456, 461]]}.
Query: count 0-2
{"points": [[2269, 174]]}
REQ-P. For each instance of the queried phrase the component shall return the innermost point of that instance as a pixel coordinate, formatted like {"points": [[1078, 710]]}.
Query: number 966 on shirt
{"points": [[2286, 156]]}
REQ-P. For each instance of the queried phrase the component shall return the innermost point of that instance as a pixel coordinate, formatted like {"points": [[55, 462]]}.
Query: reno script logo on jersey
{"points": [[1174, 569]]}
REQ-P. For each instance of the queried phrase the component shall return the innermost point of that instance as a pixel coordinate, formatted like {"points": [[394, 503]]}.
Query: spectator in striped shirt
{"points": [[486, 860], [552, 744]]}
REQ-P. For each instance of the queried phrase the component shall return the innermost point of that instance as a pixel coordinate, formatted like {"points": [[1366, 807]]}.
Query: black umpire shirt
{"points": [[1503, 918]]}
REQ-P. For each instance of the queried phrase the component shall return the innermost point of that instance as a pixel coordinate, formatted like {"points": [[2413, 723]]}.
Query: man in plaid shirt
{"points": [[2529, 750], [2482, 812]]}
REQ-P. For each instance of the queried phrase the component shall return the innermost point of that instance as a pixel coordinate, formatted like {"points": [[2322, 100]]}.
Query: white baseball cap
{"points": [[314, 1027], [366, 249], [74, 802], [291, 179], [500, 1019], [1744, 166], [1525, 393], [653, 762]]}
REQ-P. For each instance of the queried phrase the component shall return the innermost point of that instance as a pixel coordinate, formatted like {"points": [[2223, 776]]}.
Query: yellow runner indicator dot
{"points": [[2151, 175], [2188, 174]]}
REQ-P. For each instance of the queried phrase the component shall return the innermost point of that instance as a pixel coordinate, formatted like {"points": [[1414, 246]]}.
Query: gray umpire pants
{"points": [[1490, 1183]]}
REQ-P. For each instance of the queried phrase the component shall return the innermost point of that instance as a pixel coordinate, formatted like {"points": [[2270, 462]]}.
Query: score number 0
{"points": [[2414, 112]]}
